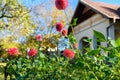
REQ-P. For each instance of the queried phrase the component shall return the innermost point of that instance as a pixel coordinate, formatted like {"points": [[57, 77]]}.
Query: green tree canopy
{"points": [[15, 18]]}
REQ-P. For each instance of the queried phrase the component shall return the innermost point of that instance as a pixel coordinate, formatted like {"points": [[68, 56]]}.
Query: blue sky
{"points": [[72, 3], [28, 3], [117, 2]]}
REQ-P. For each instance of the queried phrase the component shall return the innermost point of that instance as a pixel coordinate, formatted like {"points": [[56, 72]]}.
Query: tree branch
{"points": [[3, 11]]}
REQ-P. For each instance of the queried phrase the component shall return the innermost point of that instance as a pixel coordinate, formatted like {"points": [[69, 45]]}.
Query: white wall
{"points": [[96, 22]]}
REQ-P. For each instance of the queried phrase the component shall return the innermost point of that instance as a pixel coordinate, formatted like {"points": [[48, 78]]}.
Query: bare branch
{"points": [[3, 11]]}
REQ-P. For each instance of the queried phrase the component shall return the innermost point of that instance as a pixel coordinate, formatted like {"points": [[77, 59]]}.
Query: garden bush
{"points": [[97, 64]]}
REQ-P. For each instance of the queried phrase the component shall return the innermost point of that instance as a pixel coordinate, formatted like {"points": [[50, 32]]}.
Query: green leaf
{"points": [[88, 40], [93, 52], [100, 37], [42, 55], [117, 42], [80, 64], [74, 21], [72, 39]]}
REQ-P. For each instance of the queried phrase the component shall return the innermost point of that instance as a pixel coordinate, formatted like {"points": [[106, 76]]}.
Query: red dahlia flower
{"points": [[12, 51], [38, 37], [61, 4], [59, 26], [64, 32], [32, 52], [68, 53]]}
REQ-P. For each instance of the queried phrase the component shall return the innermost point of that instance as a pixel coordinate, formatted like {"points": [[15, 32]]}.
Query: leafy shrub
{"points": [[92, 65]]}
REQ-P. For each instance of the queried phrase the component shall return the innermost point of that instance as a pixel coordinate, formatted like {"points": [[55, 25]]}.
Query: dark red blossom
{"points": [[61, 4], [68, 53], [38, 37], [12, 51], [64, 32], [59, 26], [32, 52]]}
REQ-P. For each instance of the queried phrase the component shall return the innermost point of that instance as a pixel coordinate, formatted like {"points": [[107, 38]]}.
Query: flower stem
{"points": [[69, 22]]}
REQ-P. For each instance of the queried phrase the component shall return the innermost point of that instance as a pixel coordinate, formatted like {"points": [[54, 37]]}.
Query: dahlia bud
{"points": [[64, 32], [75, 45], [59, 26], [61, 4]]}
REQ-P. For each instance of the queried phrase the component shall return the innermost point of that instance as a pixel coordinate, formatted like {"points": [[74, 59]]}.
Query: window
{"points": [[117, 30], [83, 45], [110, 31], [117, 33]]}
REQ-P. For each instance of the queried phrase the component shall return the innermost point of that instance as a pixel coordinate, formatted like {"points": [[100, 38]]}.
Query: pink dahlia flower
{"points": [[32, 52], [38, 37], [12, 51], [68, 53]]}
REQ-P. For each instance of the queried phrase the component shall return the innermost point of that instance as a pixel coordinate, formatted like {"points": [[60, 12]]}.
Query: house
{"points": [[99, 16]]}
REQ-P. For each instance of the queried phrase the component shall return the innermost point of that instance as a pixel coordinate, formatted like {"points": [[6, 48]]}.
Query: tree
{"points": [[15, 19]]}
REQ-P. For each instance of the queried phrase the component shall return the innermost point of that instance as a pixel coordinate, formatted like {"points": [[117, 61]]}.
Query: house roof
{"points": [[108, 10], [87, 8]]}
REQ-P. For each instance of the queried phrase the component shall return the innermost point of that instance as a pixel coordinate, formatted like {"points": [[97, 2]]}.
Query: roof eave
{"points": [[97, 11]]}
